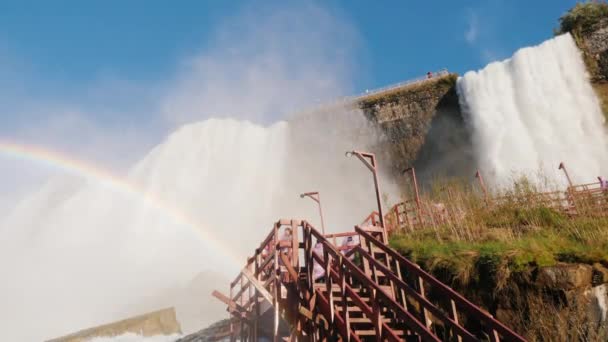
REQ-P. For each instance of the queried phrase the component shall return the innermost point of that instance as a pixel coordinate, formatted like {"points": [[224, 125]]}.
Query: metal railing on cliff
{"points": [[428, 77], [344, 100], [590, 200]]}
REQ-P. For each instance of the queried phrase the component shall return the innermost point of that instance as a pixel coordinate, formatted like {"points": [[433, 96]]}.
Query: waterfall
{"points": [[79, 253], [530, 112]]}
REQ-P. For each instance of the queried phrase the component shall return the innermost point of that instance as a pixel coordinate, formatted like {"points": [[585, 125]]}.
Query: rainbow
{"points": [[65, 163]]}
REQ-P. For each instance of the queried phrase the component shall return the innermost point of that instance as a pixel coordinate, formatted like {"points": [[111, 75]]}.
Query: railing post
{"points": [[570, 191], [255, 295], [241, 302], [454, 316], [277, 283], [377, 317], [425, 313], [329, 284], [344, 303], [416, 193], [232, 328]]}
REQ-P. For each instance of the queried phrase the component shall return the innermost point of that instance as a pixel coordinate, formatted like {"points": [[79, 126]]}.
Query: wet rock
{"points": [[161, 322], [600, 274], [565, 277]]}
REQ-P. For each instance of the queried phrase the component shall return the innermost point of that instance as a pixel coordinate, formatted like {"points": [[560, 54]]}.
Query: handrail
{"points": [[446, 290], [356, 298], [437, 74], [353, 98], [423, 301], [578, 199], [414, 324]]}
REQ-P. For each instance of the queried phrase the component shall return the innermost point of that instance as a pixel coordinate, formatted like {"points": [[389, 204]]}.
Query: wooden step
{"points": [[373, 332], [349, 309], [362, 320]]}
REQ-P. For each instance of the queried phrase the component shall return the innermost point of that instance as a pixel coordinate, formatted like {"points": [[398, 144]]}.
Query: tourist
{"points": [[348, 244], [318, 273]]}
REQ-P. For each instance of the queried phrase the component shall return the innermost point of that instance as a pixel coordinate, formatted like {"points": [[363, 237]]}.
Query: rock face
{"points": [[594, 45], [565, 302], [421, 121], [162, 322]]}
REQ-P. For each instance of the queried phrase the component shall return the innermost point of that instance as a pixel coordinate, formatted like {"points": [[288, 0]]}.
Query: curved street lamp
{"points": [[317, 198], [369, 160]]}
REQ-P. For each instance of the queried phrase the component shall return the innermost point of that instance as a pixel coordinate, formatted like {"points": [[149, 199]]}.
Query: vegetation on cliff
{"points": [[588, 24], [530, 265], [503, 238], [583, 17]]}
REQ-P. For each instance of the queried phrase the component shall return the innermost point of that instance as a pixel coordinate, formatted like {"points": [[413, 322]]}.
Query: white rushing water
{"points": [[532, 111], [81, 252]]}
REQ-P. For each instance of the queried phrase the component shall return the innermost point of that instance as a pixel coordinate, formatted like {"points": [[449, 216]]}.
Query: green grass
{"points": [[499, 240]]}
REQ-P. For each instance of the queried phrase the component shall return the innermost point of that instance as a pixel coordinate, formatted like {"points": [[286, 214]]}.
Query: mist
{"points": [[221, 143]]}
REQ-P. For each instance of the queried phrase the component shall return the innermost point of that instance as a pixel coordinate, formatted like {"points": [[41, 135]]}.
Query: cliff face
{"points": [[593, 43], [565, 302], [423, 124]]}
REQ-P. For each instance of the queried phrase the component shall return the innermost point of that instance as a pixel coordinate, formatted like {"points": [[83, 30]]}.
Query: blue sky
{"points": [[78, 41]]}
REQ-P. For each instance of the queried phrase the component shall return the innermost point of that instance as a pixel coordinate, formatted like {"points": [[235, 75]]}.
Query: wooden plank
{"points": [[232, 306], [292, 273], [258, 285]]}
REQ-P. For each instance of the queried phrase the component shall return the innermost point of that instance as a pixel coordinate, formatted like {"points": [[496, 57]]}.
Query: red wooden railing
{"points": [[365, 291]]}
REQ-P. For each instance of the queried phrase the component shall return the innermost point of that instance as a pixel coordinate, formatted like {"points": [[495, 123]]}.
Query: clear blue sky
{"points": [[75, 41]]}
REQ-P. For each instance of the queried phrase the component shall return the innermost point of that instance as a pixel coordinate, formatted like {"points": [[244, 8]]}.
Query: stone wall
{"points": [[422, 122]]}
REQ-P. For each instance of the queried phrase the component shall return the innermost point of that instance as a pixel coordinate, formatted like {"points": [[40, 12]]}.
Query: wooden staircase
{"points": [[312, 287]]}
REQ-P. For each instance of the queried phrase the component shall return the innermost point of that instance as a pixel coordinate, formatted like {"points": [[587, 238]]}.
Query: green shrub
{"points": [[582, 17]]}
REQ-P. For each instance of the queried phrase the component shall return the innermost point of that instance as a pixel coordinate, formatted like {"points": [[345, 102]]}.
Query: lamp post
{"points": [[369, 160], [562, 167], [317, 198]]}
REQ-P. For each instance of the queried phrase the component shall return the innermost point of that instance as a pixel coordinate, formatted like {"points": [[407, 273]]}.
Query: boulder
{"points": [[565, 277]]}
